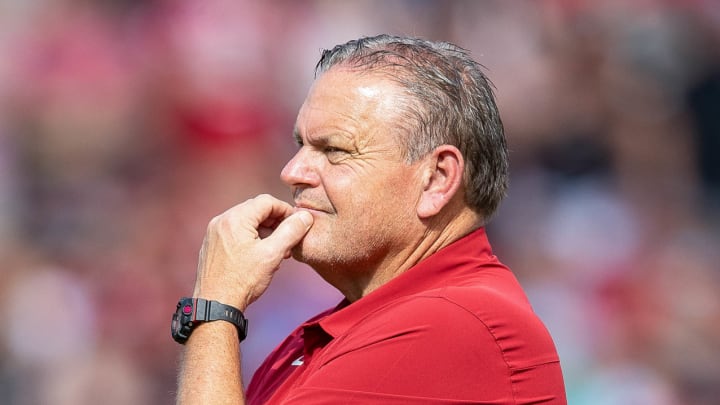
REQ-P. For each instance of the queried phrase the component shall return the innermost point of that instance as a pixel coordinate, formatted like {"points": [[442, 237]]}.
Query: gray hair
{"points": [[451, 102]]}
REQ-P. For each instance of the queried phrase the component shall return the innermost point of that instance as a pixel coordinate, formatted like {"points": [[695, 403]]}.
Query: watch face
{"points": [[175, 325], [181, 324]]}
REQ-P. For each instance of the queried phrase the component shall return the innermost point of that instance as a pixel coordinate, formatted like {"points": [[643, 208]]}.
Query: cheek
{"points": [[390, 203], [403, 189], [342, 190], [370, 195]]}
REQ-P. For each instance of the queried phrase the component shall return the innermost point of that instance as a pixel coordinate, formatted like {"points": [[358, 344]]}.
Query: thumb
{"points": [[290, 231]]}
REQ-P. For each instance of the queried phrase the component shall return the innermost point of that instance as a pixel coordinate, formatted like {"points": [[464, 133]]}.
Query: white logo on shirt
{"points": [[298, 362]]}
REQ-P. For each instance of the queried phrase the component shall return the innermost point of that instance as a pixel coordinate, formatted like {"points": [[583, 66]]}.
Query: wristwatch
{"points": [[190, 312]]}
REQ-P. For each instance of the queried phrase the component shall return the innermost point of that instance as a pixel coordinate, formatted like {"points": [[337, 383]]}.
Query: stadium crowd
{"points": [[126, 125]]}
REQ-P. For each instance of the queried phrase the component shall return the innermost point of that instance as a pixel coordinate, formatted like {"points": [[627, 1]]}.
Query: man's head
{"points": [[449, 101], [384, 135]]}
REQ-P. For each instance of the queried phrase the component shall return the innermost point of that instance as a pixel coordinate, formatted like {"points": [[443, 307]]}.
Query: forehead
{"points": [[342, 101]]}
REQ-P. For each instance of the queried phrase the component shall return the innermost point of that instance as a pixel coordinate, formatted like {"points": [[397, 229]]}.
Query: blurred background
{"points": [[125, 125]]}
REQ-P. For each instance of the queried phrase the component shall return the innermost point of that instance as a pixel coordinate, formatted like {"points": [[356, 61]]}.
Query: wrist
{"points": [[192, 312], [221, 295]]}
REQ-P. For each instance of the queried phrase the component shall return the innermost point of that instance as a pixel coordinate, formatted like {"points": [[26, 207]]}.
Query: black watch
{"points": [[192, 311]]}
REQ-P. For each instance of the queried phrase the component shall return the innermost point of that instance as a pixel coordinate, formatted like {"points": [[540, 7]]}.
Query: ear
{"points": [[442, 180]]}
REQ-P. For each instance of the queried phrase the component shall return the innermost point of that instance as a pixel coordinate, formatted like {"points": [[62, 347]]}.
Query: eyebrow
{"points": [[324, 139]]}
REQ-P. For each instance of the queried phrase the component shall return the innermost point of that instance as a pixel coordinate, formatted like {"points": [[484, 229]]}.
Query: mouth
{"points": [[303, 201], [311, 208]]}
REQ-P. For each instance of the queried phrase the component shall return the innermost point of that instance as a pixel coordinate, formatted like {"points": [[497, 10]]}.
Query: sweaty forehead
{"points": [[349, 102]]}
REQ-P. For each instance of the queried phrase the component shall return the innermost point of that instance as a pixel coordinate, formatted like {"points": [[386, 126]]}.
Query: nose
{"points": [[300, 170]]}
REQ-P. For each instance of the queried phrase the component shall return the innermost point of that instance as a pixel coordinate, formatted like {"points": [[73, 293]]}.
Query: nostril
{"points": [[299, 171]]}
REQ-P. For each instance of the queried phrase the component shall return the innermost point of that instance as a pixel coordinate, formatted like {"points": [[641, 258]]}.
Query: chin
{"points": [[309, 245], [301, 252], [297, 252], [313, 254]]}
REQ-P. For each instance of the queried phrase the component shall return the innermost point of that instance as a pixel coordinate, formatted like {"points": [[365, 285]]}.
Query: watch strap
{"points": [[191, 312], [209, 310]]}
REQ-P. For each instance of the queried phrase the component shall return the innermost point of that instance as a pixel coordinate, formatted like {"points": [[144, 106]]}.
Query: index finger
{"points": [[263, 210]]}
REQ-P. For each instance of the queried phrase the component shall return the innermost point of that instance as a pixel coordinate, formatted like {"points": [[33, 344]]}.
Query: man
{"points": [[401, 162]]}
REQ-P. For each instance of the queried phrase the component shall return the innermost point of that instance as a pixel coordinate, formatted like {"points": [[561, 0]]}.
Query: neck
{"points": [[357, 280]]}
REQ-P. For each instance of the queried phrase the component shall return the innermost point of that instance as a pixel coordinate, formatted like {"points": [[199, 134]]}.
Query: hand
{"points": [[243, 248]]}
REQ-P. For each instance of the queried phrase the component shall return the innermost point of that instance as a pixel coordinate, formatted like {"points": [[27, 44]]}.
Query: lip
{"points": [[307, 207]]}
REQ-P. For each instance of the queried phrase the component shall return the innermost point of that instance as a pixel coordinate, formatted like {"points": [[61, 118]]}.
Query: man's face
{"points": [[350, 174]]}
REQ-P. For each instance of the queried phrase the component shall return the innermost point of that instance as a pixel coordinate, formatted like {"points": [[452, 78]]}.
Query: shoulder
{"points": [[469, 335], [444, 343], [479, 321]]}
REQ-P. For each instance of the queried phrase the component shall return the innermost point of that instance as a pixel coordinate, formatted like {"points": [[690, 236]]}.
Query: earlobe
{"points": [[442, 181]]}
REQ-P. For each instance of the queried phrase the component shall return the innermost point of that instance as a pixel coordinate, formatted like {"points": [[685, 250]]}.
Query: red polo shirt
{"points": [[455, 328]]}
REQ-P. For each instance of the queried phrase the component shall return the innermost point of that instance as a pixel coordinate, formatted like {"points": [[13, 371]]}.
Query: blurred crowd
{"points": [[125, 125]]}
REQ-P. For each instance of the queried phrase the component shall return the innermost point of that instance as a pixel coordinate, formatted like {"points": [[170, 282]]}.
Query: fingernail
{"points": [[305, 217]]}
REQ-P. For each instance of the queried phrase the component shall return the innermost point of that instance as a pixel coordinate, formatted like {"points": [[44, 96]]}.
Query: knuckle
{"points": [[216, 223], [264, 198], [213, 222]]}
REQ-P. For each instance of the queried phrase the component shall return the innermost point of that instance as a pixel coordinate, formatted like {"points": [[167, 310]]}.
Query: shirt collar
{"points": [[462, 257]]}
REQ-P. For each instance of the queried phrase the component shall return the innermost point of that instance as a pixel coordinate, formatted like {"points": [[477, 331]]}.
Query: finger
{"points": [[266, 210], [261, 211], [290, 231]]}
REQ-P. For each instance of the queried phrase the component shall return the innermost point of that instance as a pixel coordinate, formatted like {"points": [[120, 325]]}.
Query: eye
{"points": [[332, 149], [298, 140], [334, 154]]}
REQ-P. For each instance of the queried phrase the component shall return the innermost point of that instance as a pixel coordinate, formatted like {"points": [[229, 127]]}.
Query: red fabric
{"points": [[454, 329]]}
